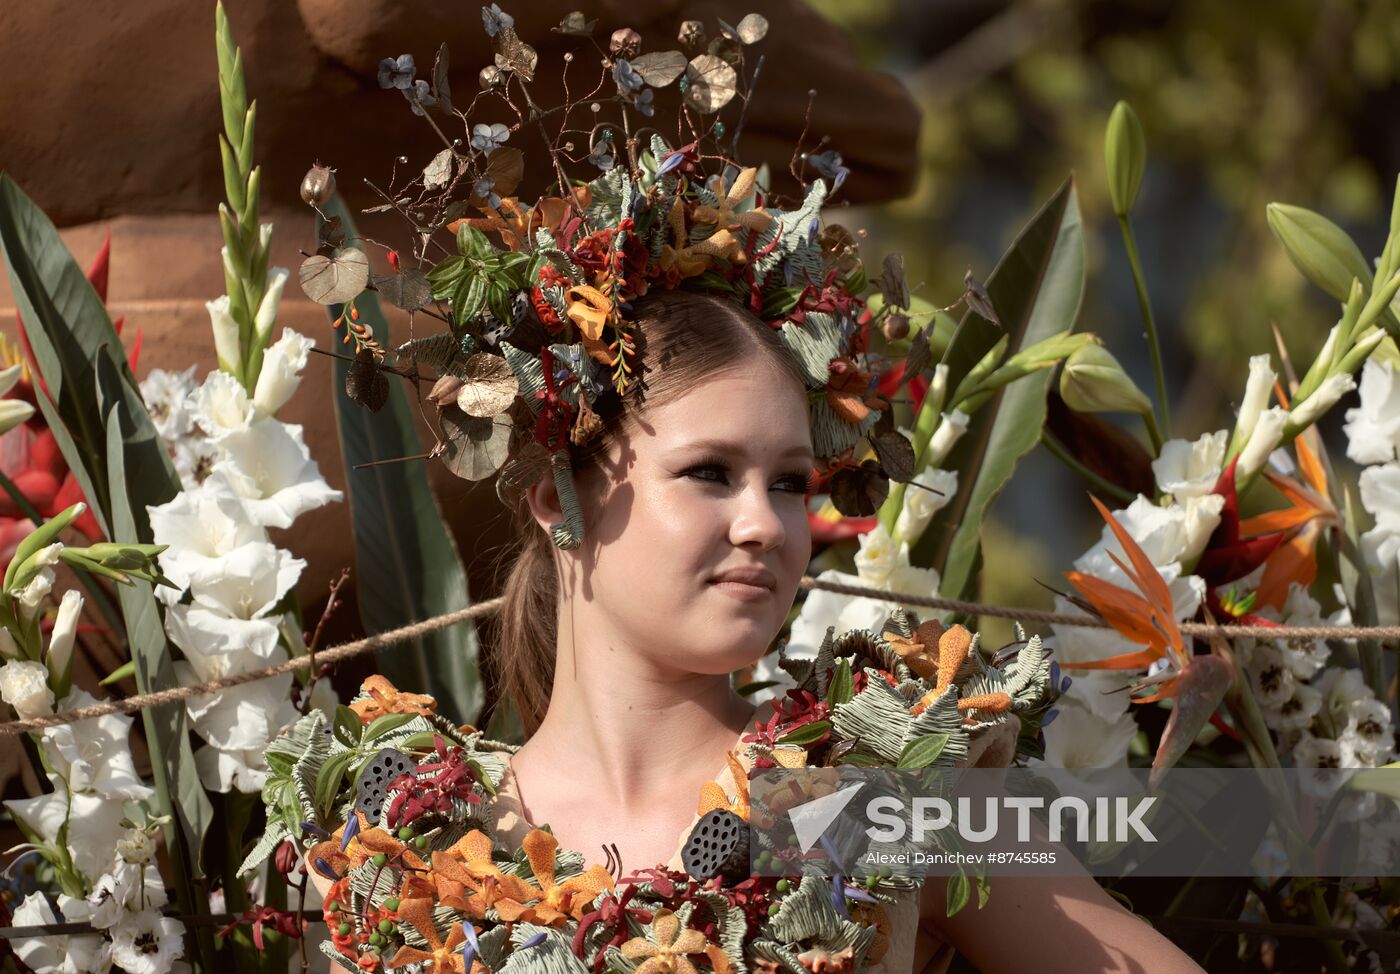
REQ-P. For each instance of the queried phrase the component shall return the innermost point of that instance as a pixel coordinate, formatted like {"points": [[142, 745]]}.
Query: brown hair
{"points": [[684, 337]]}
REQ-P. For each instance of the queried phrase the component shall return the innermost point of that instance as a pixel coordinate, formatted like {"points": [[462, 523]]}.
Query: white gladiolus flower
{"points": [[94, 825], [281, 371], [1190, 469], [12, 411], [247, 582], [1257, 391], [1324, 397], [269, 465], [1380, 494], [199, 526], [953, 426], [194, 461], [242, 718], [70, 954], [227, 345], [877, 557], [65, 630], [221, 406], [128, 888], [225, 771], [40, 583], [267, 308], [94, 754], [166, 395], [1373, 428], [1167, 535], [1266, 435], [8, 649], [1381, 552], [148, 943], [24, 685], [921, 505], [1079, 738]]}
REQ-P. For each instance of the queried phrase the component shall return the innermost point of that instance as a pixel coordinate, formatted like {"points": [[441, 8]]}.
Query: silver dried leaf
{"points": [[488, 386], [659, 68], [977, 299], [334, 280], [893, 284], [896, 455], [442, 91], [438, 173], [408, 290], [753, 28], [365, 384], [473, 448], [712, 83], [920, 354], [575, 25]]}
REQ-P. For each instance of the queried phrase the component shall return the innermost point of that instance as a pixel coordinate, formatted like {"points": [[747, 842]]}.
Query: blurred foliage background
{"points": [[1243, 103]]}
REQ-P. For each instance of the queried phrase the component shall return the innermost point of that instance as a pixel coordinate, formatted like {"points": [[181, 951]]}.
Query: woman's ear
{"points": [[543, 498]]}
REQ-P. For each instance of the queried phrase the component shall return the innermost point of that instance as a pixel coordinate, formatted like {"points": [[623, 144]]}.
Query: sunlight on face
{"points": [[701, 527]]}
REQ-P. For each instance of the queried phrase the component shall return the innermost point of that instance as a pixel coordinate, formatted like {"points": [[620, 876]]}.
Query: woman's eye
{"points": [[711, 472]]}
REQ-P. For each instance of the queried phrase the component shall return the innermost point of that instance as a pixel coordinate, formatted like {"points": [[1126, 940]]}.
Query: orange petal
{"points": [[1293, 561], [1153, 587], [407, 955], [1125, 661], [418, 913], [712, 796], [539, 848], [1311, 465]]}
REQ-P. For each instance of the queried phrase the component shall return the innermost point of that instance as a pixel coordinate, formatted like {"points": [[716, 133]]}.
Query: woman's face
{"points": [[696, 525]]}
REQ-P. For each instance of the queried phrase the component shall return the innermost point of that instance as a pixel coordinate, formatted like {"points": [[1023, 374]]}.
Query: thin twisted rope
{"points": [[393, 637]]}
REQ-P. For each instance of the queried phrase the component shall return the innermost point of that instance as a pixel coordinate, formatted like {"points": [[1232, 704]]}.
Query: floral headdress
{"points": [[539, 296]]}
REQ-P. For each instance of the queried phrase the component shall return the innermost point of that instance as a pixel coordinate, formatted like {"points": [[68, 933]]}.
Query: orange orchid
{"points": [[445, 956], [668, 954], [370, 842], [712, 795], [559, 902], [590, 309], [1146, 617], [846, 392], [1311, 513], [517, 225], [468, 866], [688, 260], [725, 215], [953, 644], [385, 698]]}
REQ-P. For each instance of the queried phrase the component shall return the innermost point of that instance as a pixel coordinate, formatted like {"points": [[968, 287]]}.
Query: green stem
{"points": [[1052, 443], [1322, 917], [1153, 432], [1153, 345], [925, 425]]}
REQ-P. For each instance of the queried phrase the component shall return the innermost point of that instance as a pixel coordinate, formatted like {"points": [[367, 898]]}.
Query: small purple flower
{"points": [[324, 868], [419, 96], [828, 164], [670, 163], [1065, 684], [838, 895], [352, 829], [646, 102], [397, 72], [534, 941], [602, 155], [315, 830], [485, 188], [1049, 717], [859, 895], [488, 138], [627, 78], [1054, 672], [495, 20]]}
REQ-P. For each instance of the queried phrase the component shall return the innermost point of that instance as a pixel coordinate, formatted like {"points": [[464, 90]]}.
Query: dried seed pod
{"points": [[692, 32], [896, 327], [372, 786], [718, 846], [490, 77], [318, 185], [625, 42]]}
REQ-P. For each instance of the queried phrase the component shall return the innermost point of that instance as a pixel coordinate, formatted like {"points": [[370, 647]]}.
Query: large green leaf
{"points": [[70, 333], [407, 565], [1036, 288], [179, 793]]}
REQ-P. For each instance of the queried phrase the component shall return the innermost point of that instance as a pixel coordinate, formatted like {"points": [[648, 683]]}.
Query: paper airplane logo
{"points": [[811, 819]]}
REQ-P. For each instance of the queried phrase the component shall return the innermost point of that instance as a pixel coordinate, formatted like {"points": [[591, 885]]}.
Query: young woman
{"points": [[618, 653]]}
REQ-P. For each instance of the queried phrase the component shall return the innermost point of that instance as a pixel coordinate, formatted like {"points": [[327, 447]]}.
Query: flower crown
{"points": [[541, 295]]}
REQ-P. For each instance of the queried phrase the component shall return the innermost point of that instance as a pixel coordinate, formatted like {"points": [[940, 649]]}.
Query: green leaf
{"points": [[842, 687], [409, 569], [347, 727], [120, 673], [471, 242], [468, 297], [329, 780], [70, 333], [959, 892], [1036, 288], [281, 764], [922, 751], [807, 733], [384, 725]]}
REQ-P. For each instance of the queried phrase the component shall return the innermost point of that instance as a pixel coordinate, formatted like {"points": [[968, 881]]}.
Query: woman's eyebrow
{"points": [[800, 450]]}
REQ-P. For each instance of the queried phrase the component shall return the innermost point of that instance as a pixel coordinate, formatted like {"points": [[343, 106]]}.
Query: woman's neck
{"points": [[621, 731]]}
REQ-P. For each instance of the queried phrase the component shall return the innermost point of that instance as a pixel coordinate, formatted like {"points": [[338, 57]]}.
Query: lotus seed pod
{"points": [[625, 42], [1125, 157]]}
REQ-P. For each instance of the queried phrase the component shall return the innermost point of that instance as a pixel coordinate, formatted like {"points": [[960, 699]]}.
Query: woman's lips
{"points": [[744, 591]]}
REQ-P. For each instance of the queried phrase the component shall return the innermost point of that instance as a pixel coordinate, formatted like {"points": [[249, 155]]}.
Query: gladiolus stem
{"points": [[1153, 345]]}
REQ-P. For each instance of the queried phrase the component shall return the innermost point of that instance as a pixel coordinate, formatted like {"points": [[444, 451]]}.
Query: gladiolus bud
{"points": [[226, 342], [1319, 248], [1093, 382], [1324, 397], [1125, 157]]}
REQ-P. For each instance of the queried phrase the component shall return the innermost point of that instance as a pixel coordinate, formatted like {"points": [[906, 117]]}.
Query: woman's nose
{"points": [[756, 521]]}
